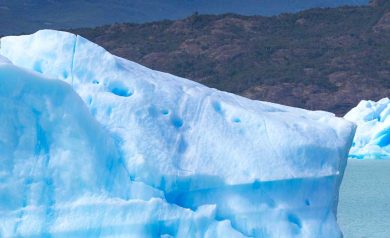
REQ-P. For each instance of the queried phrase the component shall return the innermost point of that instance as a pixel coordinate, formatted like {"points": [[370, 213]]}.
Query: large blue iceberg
{"points": [[372, 140], [92, 145]]}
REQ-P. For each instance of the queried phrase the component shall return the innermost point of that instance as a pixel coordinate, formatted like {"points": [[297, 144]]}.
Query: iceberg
{"points": [[93, 145], [372, 140], [62, 175]]}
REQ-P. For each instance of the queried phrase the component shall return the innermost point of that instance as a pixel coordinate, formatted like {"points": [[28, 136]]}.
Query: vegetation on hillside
{"points": [[322, 59]]}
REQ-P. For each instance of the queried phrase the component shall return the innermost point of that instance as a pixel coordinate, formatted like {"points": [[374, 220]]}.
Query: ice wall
{"points": [[62, 175], [372, 140], [266, 169]]}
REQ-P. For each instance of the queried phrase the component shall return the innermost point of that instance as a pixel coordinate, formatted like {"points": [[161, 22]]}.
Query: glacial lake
{"points": [[364, 205]]}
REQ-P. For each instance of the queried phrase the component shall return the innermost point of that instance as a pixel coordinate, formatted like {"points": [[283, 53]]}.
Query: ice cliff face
{"points": [[372, 140], [62, 174], [117, 149]]}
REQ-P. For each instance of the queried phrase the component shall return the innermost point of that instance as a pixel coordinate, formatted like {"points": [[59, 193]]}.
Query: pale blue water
{"points": [[364, 206]]}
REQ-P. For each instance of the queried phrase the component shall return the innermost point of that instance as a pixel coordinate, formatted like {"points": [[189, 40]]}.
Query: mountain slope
{"points": [[326, 59], [17, 16]]}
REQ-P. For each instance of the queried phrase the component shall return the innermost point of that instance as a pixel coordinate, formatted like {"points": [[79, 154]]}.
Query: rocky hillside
{"points": [[323, 59], [17, 16]]}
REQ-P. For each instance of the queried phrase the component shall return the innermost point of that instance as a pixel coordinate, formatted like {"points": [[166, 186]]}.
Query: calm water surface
{"points": [[364, 206]]}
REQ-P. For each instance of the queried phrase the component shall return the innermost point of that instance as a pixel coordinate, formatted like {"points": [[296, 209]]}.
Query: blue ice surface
{"points": [[95, 145]]}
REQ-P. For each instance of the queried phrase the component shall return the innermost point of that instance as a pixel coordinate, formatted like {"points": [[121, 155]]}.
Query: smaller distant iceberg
{"points": [[372, 139]]}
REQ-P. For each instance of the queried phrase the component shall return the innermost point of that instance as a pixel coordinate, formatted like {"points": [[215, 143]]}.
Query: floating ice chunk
{"points": [[372, 140], [218, 164]]}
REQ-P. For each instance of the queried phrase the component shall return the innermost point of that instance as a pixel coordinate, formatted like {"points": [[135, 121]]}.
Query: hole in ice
{"points": [[119, 89], [294, 220], [65, 74], [236, 120], [89, 100], [182, 146], [121, 92], [95, 82], [217, 107], [165, 112], [177, 122], [38, 66]]}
